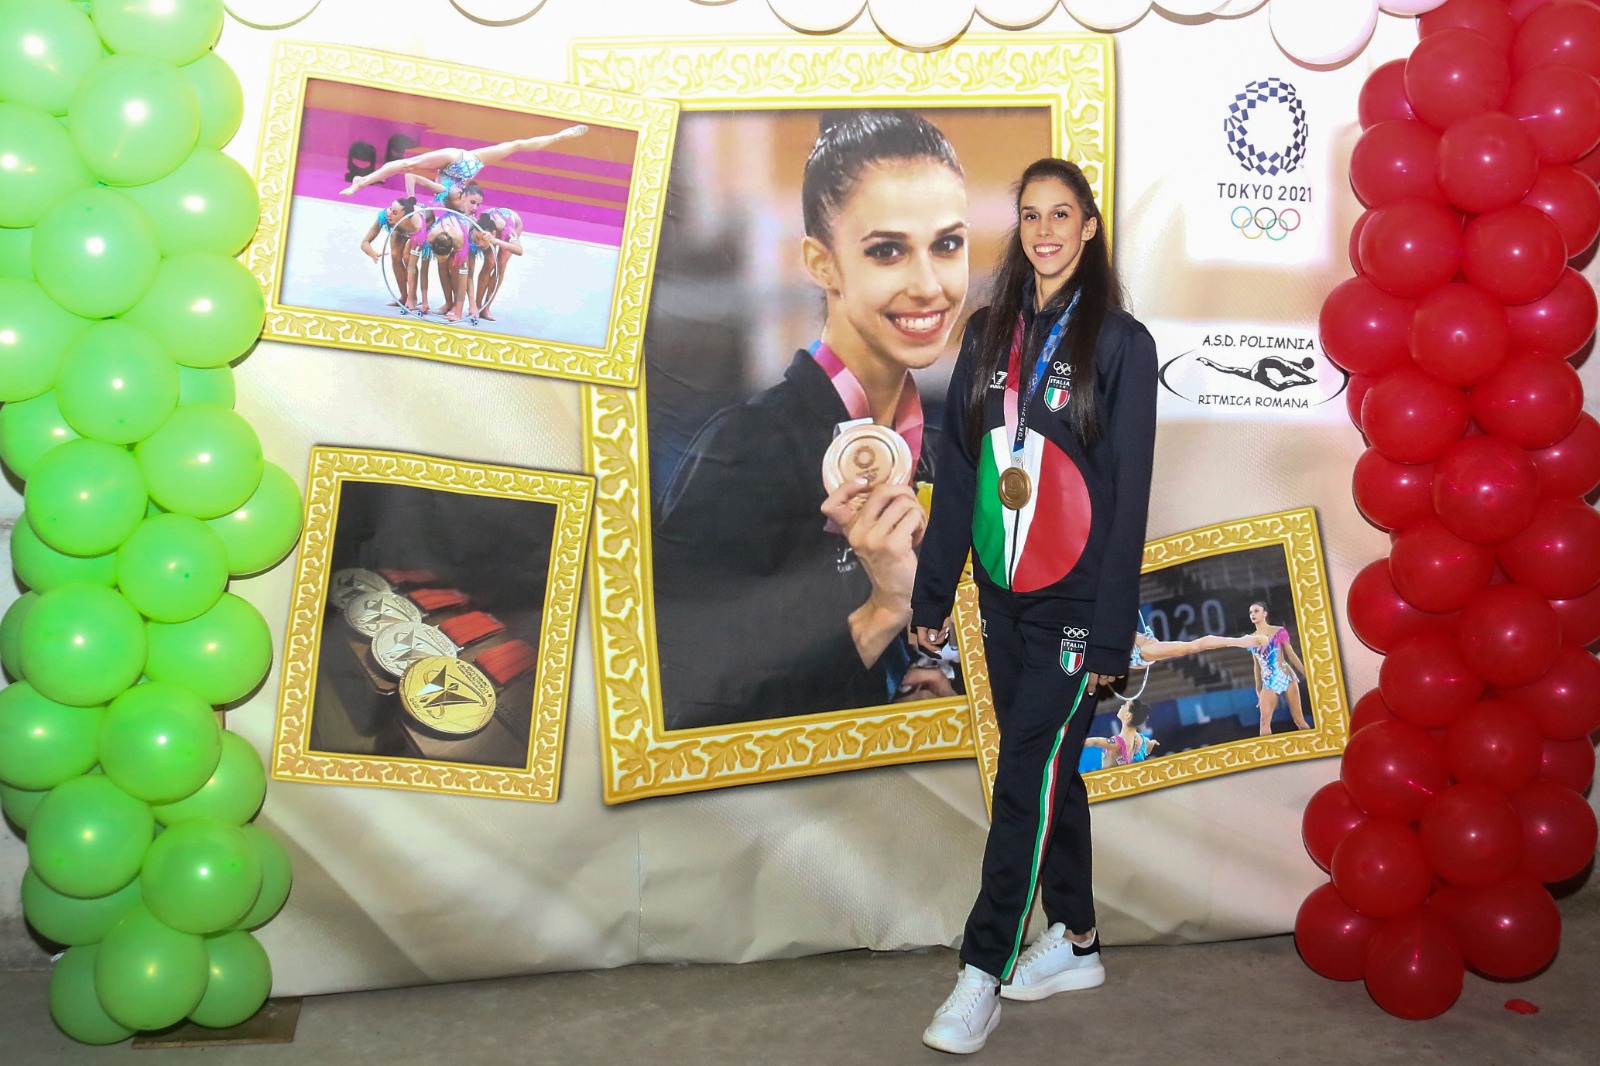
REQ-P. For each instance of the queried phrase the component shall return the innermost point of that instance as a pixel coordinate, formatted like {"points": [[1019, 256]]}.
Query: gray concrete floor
{"points": [[1240, 1002]]}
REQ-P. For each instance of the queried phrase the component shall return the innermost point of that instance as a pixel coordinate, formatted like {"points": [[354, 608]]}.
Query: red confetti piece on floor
{"points": [[1521, 1006]]}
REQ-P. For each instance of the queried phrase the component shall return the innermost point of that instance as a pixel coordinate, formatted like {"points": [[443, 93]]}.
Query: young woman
{"points": [[498, 239], [775, 596], [457, 166], [1044, 474], [1273, 678], [1129, 745]]}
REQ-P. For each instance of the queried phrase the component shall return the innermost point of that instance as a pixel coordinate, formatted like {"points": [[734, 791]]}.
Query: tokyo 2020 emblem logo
{"points": [[1283, 159]]}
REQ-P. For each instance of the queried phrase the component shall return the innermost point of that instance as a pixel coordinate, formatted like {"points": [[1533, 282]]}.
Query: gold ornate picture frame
{"points": [[1201, 583], [340, 713], [1067, 82], [590, 210]]}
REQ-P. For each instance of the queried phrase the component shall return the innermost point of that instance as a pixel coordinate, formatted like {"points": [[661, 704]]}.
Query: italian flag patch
{"points": [[1034, 547]]}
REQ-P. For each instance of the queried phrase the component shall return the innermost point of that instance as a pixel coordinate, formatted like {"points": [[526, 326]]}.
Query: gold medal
{"points": [[447, 695], [870, 451], [369, 612], [1015, 487]]}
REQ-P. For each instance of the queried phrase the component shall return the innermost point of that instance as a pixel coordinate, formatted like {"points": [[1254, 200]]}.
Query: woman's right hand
{"points": [[929, 639]]}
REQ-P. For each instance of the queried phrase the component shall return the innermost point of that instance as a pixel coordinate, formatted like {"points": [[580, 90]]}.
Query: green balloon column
{"points": [[122, 310]]}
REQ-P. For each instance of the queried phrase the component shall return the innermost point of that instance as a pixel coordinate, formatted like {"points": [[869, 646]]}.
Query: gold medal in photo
{"points": [[1015, 487], [399, 645], [447, 695], [869, 451], [347, 584], [369, 612]]}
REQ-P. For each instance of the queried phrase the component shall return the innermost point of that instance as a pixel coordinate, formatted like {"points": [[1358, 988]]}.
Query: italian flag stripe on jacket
{"points": [[1059, 508]]}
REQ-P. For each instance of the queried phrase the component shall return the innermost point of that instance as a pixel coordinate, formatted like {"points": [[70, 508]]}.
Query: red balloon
{"points": [[1510, 635], [1454, 74], [1570, 466], [1355, 391], [1383, 95], [1486, 161], [1558, 323], [1411, 418], [1380, 616], [1471, 836], [1414, 966], [1514, 254], [1485, 489], [1559, 107], [1558, 826], [1580, 618], [1328, 817], [1410, 246], [1568, 763], [1493, 743], [1508, 930], [1558, 553], [1589, 164], [1379, 868], [1488, 17], [1353, 246], [1565, 703], [1437, 571], [1364, 329], [1370, 710], [1532, 401], [1396, 160], [1571, 200], [1332, 938], [1561, 33], [1392, 770], [1392, 495], [1427, 681], [1521, 9], [1459, 334]]}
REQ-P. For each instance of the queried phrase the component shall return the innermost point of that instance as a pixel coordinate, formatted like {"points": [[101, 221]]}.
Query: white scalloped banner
{"points": [[818, 16], [498, 11], [922, 24], [1015, 14], [1320, 33], [270, 14]]}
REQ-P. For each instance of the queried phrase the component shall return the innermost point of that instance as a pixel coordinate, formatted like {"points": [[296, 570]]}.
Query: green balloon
{"points": [[201, 876], [38, 164], [88, 837], [276, 877], [241, 980], [29, 429], [159, 742], [70, 920], [34, 332], [232, 795], [11, 632], [96, 253], [16, 253], [175, 31], [213, 385], [46, 47], [19, 804], [149, 975], [74, 1007], [206, 308], [173, 568], [134, 119], [81, 645], [42, 742], [85, 497], [42, 568], [262, 531], [116, 383], [221, 98], [221, 655], [209, 204], [204, 461]]}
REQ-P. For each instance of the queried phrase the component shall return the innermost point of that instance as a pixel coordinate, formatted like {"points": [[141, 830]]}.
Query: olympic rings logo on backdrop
{"points": [[1264, 222], [1284, 160]]}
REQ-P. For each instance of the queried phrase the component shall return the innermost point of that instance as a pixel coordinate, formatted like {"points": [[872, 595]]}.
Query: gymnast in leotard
{"points": [[1129, 745], [1273, 656], [1147, 649], [495, 241], [457, 166]]}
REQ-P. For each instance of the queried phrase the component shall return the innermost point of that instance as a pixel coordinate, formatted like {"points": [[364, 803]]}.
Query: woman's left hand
{"points": [[1099, 681]]}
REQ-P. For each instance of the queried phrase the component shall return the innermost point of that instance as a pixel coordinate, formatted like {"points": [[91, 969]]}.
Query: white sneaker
{"points": [[1055, 964], [965, 1020]]}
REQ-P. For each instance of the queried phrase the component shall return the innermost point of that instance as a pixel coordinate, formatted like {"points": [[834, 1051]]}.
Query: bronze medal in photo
{"points": [[1015, 487], [869, 451], [369, 612], [399, 645], [447, 695], [347, 584]]}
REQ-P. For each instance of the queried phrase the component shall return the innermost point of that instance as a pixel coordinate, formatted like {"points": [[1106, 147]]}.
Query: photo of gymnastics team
{"points": [[436, 211]]}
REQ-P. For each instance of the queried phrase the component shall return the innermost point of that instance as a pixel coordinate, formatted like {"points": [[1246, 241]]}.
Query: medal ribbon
{"points": [[1016, 406], [907, 415]]}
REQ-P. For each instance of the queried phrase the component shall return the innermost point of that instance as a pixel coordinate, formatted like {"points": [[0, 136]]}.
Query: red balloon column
{"points": [[1460, 793]]}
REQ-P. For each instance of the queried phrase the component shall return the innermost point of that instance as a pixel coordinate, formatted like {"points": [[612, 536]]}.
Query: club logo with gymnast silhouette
{"points": [[1266, 371]]}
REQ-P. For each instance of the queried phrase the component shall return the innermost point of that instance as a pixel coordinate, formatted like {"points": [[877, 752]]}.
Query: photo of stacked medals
{"points": [[430, 630]]}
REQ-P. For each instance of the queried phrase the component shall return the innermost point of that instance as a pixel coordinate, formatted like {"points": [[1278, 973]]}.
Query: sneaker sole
{"points": [[969, 1045], [1070, 981]]}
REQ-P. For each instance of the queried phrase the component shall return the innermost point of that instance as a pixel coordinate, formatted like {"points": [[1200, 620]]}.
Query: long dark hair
{"points": [[1094, 283], [849, 142]]}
